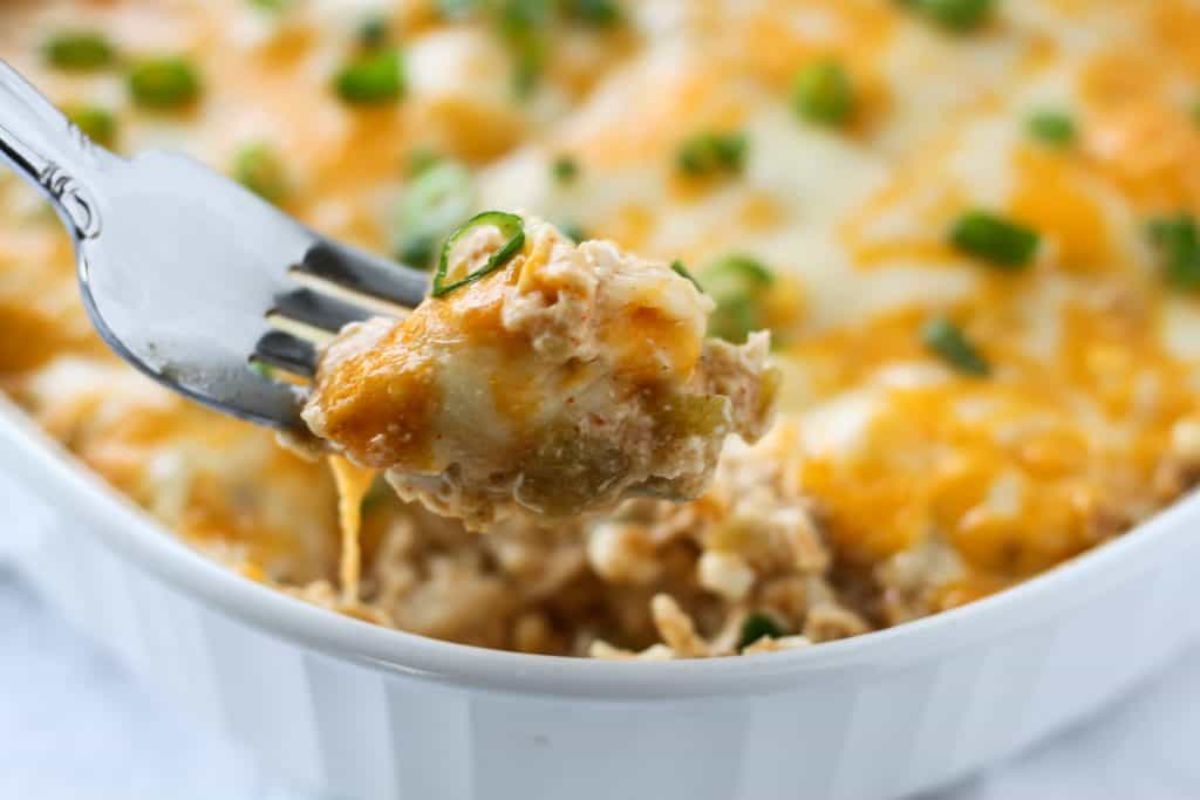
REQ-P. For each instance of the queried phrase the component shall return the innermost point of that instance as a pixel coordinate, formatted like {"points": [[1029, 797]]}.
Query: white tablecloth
{"points": [[74, 726]]}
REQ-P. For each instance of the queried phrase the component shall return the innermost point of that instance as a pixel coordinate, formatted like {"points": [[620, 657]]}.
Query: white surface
{"points": [[357, 711], [75, 726]]}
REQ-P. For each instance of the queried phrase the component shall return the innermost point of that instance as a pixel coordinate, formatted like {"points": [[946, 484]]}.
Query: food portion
{"points": [[543, 378], [970, 228]]}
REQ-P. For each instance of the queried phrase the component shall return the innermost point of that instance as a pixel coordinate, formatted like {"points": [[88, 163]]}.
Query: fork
{"points": [[190, 277]]}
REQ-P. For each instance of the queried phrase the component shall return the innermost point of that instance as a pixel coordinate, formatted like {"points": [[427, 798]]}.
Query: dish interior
{"points": [[973, 241]]}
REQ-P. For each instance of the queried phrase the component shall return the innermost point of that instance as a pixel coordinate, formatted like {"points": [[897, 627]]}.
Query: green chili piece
{"points": [[98, 124], [1052, 127], [596, 13], [375, 77], [565, 169], [1177, 239], [81, 51], [509, 225], [525, 24], [947, 341], [759, 625], [998, 241], [259, 168], [823, 94], [712, 153], [272, 6], [437, 198], [164, 83], [957, 16]]}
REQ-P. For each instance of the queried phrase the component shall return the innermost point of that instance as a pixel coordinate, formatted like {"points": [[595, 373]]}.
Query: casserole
{"points": [[336, 705], [988, 368]]}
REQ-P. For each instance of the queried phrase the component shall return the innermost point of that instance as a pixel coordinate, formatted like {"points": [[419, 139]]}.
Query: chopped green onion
{"points": [[1052, 127], [738, 284], [573, 231], [759, 625], [372, 78], [259, 168], [273, 6], [373, 32], [823, 94], [509, 225], [597, 13], [524, 25], [433, 203], [1177, 239], [679, 268], [947, 341], [520, 17], [1195, 112], [565, 169], [958, 16], [79, 50], [164, 83], [456, 9], [712, 153], [98, 124], [1000, 242]]}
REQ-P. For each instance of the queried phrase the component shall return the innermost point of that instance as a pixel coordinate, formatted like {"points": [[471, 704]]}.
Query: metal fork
{"points": [[190, 277]]}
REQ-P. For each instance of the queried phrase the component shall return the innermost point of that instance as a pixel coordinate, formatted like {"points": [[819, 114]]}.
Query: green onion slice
{"points": [[565, 169], [509, 225], [708, 153], [1177, 239], [998, 241], [98, 124], [948, 342], [434, 202], [822, 93], [373, 78], [164, 83], [596, 13], [957, 16], [1052, 127], [260, 169], [680, 269], [79, 50]]}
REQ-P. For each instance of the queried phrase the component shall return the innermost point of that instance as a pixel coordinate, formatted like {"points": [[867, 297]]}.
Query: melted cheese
{"points": [[353, 483], [1096, 362]]}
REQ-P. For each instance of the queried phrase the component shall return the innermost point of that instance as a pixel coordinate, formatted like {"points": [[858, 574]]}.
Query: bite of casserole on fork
{"points": [[541, 377]]}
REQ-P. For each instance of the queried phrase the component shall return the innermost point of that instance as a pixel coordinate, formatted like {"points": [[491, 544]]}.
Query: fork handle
{"points": [[50, 153]]}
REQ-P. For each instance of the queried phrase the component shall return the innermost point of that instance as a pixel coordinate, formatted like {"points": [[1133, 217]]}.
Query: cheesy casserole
{"points": [[557, 383], [970, 226]]}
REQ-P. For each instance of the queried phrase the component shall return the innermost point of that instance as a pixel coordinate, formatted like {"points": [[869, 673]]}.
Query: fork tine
{"points": [[318, 310], [365, 274], [288, 352]]}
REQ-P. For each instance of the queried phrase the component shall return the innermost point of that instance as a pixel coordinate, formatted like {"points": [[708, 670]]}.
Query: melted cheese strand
{"points": [[353, 482]]}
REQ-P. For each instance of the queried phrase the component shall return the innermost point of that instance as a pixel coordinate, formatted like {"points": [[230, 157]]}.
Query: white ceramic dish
{"points": [[352, 710]]}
